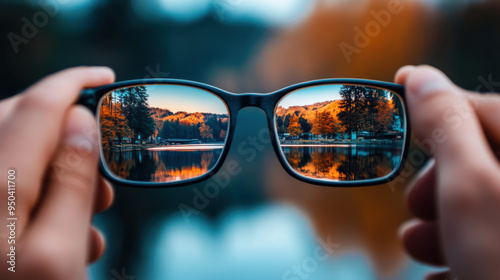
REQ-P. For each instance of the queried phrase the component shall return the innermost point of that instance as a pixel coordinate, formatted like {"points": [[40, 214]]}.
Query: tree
{"points": [[385, 115], [194, 132], [205, 132], [317, 128], [167, 130], [176, 127], [372, 99], [304, 124], [112, 121], [379, 109], [286, 122], [159, 115], [294, 127], [331, 125], [135, 108], [279, 125], [215, 123], [325, 124], [352, 108], [222, 135]]}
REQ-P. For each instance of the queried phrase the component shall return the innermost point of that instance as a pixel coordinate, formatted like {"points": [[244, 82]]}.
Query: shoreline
{"points": [[160, 147], [340, 143]]}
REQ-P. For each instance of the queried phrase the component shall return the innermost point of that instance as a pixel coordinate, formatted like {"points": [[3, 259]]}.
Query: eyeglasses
{"points": [[333, 132]]}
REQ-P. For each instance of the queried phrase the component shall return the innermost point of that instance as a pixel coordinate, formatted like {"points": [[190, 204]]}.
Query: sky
{"points": [[311, 95], [185, 98]]}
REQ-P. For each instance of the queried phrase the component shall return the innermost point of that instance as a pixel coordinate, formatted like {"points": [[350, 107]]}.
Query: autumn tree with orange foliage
{"points": [[222, 134], [325, 124], [366, 109], [385, 115], [294, 127], [379, 110], [112, 121], [205, 132]]}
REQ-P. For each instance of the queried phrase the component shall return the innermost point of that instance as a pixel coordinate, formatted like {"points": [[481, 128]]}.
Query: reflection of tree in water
{"points": [[313, 161], [324, 161], [357, 167], [343, 163], [370, 162], [161, 166], [297, 157], [132, 165]]}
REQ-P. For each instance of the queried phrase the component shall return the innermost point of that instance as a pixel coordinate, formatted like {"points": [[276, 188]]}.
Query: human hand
{"points": [[457, 197], [52, 146]]}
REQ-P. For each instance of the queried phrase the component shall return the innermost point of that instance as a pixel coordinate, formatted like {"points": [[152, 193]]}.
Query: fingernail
{"points": [[77, 134], [407, 68], [101, 68], [406, 225], [424, 82]]}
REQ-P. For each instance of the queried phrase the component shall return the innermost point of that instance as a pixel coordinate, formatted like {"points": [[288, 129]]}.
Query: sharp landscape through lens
{"points": [[162, 133], [341, 132]]}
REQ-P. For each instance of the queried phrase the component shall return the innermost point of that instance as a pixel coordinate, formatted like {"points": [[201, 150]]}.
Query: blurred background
{"points": [[263, 224]]}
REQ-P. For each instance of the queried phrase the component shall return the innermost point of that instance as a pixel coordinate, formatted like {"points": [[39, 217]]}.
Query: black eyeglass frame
{"points": [[268, 102]]}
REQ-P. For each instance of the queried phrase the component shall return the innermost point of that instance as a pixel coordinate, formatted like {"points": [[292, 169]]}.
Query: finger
{"points": [[488, 111], [403, 73], [444, 275], [7, 107], [486, 106], [421, 196], [97, 245], [104, 196], [69, 198], [421, 240], [35, 124], [444, 121]]}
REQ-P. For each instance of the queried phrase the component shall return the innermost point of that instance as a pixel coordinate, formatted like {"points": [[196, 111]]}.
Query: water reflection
{"points": [[162, 164], [343, 162]]}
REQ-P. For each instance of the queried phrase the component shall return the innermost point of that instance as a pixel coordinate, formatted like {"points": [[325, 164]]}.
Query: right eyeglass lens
{"points": [[342, 132], [162, 133]]}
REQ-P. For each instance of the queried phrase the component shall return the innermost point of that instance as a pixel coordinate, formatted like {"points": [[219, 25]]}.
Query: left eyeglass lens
{"points": [[161, 133]]}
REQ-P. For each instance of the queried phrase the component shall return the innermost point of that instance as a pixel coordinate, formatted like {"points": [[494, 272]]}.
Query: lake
{"points": [[330, 162], [163, 164], [343, 162]]}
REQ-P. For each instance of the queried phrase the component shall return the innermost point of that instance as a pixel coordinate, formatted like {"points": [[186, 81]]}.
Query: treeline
{"points": [[298, 124], [361, 109], [213, 129], [367, 109], [125, 113], [323, 123]]}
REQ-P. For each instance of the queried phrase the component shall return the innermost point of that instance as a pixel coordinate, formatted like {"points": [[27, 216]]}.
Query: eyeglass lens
{"points": [[162, 133], [341, 132]]}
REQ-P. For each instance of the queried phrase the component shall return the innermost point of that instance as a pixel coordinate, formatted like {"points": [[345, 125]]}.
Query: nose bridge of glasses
{"points": [[265, 102], [260, 100], [250, 100]]}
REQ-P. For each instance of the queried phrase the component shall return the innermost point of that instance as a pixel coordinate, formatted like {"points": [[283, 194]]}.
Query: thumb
{"points": [[442, 117], [64, 215]]}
